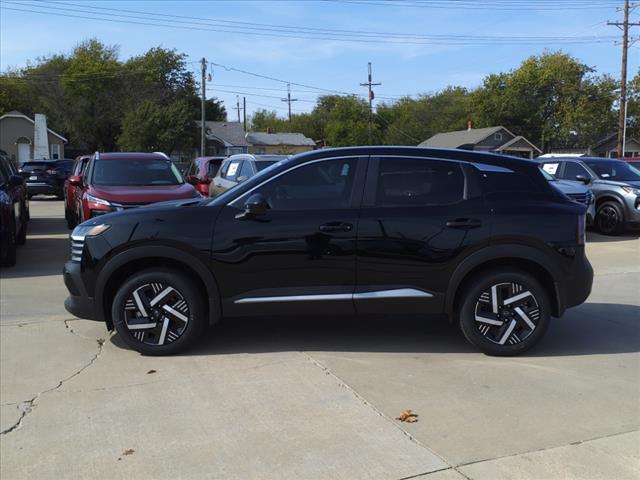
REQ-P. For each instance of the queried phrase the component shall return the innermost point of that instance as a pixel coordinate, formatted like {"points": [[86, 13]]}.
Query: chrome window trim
{"points": [[248, 192], [376, 294]]}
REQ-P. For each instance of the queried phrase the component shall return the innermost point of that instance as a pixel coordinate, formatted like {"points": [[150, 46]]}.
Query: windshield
{"points": [[32, 166], [618, 171], [136, 172]]}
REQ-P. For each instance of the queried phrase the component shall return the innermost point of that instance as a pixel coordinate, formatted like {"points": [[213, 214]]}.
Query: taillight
{"points": [[581, 229]]}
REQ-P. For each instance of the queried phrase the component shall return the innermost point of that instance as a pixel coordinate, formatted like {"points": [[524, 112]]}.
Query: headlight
{"points": [[82, 231], [97, 201], [635, 191]]}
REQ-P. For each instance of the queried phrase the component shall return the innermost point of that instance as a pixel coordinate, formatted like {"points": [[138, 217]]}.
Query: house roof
{"points": [[611, 137], [17, 114], [460, 137], [514, 141], [231, 134], [275, 139]]}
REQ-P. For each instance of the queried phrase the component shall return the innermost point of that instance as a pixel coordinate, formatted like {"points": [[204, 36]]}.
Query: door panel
{"points": [[419, 217], [300, 256]]}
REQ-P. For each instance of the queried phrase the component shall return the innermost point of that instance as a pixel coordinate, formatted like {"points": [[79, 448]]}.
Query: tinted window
{"points": [[212, 168], [619, 171], [409, 181], [497, 182], [572, 170], [33, 166], [246, 170], [321, 185], [193, 168], [4, 175], [262, 164], [135, 172]]}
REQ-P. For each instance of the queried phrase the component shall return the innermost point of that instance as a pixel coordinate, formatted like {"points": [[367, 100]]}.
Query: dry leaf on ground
{"points": [[408, 416]]}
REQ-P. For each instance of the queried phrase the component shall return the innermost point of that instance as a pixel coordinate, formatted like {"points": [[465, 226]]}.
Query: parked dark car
{"points": [[112, 182], [14, 211], [615, 184], [70, 210], [481, 237], [201, 172], [239, 168], [46, 176]]}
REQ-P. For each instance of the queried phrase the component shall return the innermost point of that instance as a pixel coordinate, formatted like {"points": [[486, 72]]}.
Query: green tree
{"points": [[552, 99], [633, 108], [266, 120], [215, 110], [153, 127]]}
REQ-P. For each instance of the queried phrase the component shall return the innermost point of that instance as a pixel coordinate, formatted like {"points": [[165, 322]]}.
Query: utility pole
{"points": [[289, 100], [624, 26], [244, 112], [238, 107], [370, 84], [203, 108]]}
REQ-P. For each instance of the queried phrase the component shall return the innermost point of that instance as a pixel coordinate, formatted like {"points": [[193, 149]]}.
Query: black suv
{"points": [[368, 230], [46, 176]]}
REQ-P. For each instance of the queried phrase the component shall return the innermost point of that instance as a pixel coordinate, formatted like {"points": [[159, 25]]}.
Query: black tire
{"points": [[160, 328], [9, 259], [71, 219], [610, 218], [499, 308], [21, 237]]}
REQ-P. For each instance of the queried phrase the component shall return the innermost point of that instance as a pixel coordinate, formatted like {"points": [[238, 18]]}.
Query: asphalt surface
{"points": [[307, 398]]}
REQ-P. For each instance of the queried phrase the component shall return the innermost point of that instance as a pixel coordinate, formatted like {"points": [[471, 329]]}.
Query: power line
{"points": [[479, 5]]}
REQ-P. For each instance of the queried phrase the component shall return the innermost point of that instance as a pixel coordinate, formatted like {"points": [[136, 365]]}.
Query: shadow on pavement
{"points": [[595, 237], [591, 329]]}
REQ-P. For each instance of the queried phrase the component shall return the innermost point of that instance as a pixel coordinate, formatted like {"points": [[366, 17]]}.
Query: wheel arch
{"points": [[522, 257], [609, 197], [139, 258]]}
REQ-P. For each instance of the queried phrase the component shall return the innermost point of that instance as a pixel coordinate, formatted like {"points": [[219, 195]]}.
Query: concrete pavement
{"points": [[309, 398]]}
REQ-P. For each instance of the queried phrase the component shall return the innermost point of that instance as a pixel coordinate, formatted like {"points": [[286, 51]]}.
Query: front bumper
{"points": [[78, 303]]}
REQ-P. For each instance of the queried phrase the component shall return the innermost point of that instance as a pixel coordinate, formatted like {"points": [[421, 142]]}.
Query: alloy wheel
{"points": [[156, 314], [507, 313]]}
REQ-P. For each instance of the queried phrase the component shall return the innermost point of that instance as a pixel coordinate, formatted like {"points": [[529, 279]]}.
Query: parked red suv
{"points": [[70, 210], [112, 182], [201, 172]]}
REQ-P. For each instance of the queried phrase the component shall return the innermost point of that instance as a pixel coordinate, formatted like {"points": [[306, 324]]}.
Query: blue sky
{"points": [[403, 68]]}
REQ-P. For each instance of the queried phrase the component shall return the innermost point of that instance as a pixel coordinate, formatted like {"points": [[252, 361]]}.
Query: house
{"points": [[279, 143], [491, 139], [17, 138], [608, 147], [224, 138]]}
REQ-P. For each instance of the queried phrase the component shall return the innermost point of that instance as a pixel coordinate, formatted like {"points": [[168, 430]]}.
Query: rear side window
{"points": [[231, 170], [413, 182], [552, 168], [212, 168], [501, 182]]}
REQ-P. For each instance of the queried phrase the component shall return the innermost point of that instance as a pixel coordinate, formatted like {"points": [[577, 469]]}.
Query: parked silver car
{"points": [[238, 168], [615, 184]]}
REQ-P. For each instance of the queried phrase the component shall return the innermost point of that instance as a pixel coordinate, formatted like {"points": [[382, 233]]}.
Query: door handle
{"points": [[333, 227], [464, 223]]}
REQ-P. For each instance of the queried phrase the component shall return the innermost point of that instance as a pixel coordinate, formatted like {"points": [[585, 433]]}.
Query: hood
{"points": [[144, 194], [569, 187], [633, 183]]}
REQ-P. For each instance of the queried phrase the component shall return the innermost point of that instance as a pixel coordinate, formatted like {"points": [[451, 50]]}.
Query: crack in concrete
{"points": [[27, 406], [413, 439]]}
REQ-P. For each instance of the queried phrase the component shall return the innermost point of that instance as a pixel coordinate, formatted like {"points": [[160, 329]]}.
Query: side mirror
{"points": [[584, 179], [242, 178], [75, 180], [255, 206], [15, 180]]}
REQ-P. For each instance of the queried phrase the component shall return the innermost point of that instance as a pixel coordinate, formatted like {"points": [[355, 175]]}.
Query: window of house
{"points": [[55, 151], [322, 185], [413, 181], [497, 136]]}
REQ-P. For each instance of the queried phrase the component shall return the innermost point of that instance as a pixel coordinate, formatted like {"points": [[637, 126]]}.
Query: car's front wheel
{"points": [[609, 218], [504, 311], [159, 312]]}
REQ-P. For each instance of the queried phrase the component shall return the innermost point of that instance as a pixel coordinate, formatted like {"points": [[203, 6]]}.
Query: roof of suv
{"points": [[130, 155]]}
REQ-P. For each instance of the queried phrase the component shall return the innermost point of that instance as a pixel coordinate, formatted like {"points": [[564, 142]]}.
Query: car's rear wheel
{"points": [[504, 312], [21, 237], [159, 312], [9, 259], [71, 219], [609, 218]]}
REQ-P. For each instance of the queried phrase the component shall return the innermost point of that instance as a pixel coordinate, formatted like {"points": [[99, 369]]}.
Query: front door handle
{"points": [[464, 223], [333, 227]]}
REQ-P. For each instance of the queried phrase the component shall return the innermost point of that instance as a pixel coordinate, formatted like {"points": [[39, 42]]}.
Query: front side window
{"points": [[413, 181], [246, 171], [134, 172], [572, 170], [321, 185]]}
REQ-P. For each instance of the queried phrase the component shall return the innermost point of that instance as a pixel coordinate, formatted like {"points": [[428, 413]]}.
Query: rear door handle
{"points": [[333, 227], [464, 223]]}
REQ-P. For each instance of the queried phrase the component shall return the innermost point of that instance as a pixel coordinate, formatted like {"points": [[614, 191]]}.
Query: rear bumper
{"points": [[78, 303], [42, 187], [575, 287]]}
